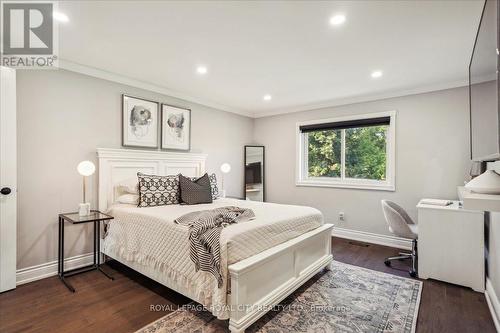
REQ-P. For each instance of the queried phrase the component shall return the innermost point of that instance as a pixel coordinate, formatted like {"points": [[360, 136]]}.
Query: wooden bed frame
{"points": [[258, 282]]}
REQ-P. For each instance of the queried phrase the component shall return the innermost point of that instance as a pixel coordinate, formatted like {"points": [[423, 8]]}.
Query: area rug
{"points": [[345, 299]]}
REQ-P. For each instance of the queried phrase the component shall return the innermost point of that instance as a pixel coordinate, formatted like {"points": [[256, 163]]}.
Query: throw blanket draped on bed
{"points": [[205, 228]]}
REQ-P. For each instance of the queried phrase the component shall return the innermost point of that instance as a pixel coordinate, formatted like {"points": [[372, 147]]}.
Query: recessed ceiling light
{"points": [[267, 97], [61, 17], [337, 19], [202, 70], [376, 74]]}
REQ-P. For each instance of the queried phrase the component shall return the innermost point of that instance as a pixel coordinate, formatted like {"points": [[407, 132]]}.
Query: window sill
{"points": [[351, 185]]}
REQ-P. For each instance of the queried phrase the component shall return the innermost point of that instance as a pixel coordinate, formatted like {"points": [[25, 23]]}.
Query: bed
{"points": [[262, 260]]}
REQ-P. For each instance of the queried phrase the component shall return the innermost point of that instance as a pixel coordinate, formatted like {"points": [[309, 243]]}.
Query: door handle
{"points": [[5, 191]]}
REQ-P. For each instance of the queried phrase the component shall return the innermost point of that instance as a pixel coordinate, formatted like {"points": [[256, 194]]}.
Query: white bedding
{"points": [[149, 237]]}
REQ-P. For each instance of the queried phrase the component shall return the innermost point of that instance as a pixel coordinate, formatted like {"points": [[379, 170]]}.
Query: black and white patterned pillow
{"points": [[196, 191], [213, 185], [158, 190]]}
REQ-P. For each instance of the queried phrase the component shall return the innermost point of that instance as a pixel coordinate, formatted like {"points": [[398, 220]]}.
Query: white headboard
{"points": [[116, 165]]}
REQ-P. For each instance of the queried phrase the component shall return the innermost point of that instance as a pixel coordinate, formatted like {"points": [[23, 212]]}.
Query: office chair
{"points": [[401, 225]]}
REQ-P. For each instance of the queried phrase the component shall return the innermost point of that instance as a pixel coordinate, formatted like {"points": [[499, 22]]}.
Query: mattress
{"points": [[148, 237]]}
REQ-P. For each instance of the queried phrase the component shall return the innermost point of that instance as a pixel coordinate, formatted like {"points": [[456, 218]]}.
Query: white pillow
{"points": [[131, 199], [130, 185]]}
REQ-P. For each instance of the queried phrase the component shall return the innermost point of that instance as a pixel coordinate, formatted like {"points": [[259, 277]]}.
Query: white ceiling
{"points": [[284, 48]]}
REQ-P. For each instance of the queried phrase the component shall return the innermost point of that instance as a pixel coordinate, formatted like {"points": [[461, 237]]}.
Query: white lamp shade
{"points": [[86, 168], [225, 168]]}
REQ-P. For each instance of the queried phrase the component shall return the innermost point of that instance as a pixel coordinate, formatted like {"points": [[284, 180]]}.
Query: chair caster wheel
{"points": [[387, 263], [413, 274]]}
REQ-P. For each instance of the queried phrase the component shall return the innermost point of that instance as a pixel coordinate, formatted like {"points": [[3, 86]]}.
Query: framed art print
{"points": [[175, 128], [140, 122]]}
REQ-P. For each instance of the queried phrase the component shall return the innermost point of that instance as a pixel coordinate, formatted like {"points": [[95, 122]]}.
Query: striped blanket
{"points": [[205, 228]]}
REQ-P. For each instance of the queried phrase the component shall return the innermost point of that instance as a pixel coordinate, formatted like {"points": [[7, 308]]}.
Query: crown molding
{"points": [[113, 77], [362, 99]]}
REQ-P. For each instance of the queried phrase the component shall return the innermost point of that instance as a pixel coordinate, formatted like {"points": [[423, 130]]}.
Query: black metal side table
{"points": [[95, 217]]}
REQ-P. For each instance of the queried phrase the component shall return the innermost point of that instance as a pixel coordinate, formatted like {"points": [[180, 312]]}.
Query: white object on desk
{"points": [[487, 183], [436, 202], [451, 245]]}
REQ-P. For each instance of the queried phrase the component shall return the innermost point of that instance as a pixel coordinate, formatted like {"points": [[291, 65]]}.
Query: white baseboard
{"points": [[33, 273], [493, 303], [368, 237]]}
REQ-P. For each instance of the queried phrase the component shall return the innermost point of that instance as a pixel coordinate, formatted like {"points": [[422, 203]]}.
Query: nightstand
{"points": [[95, 217]]}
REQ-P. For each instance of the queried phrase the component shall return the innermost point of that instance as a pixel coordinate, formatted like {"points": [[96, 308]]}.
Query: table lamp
{"points": [[85, 168], [225, 168]]}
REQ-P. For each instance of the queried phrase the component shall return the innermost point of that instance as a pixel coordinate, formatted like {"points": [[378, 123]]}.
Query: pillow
{"points": [[158, 190], [131, 199], [213, 185], [195, 192], [128, 186]]}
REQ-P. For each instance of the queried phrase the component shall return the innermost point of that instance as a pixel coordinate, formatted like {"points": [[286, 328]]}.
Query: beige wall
{"points": [[432, 157], [62, 118]]}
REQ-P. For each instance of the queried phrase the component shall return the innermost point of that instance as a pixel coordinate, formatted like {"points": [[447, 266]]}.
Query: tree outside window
{"points": [[364, 150]]}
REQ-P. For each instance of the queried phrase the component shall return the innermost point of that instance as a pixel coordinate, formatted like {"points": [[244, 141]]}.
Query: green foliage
{"points": [[324, 153], [365, 153]]}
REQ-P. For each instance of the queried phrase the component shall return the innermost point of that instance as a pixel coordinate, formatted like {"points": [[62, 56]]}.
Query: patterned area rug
{"points": [[346, 299]]}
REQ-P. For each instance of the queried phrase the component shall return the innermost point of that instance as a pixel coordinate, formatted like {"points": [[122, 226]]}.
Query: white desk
{"points": [[451, 245]]}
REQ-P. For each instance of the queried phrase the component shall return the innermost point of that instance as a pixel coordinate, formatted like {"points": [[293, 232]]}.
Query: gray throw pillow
{"points": [[197, 191], [213, 185]]}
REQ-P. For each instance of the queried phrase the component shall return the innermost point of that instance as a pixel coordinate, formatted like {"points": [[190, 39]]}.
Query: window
{"points": [[352, 152]]}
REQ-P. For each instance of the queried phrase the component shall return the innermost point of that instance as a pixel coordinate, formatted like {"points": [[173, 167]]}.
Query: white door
{"points": [[8, 179]]}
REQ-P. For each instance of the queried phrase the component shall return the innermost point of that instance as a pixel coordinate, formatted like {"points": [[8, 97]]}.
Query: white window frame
{"points": [[302, 176]]}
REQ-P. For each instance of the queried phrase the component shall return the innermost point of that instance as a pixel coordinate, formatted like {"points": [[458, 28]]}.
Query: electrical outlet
{"points": [[341, 216]]}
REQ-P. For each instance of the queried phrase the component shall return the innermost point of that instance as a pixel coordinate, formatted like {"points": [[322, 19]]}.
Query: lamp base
{"points": [[84, 209]]}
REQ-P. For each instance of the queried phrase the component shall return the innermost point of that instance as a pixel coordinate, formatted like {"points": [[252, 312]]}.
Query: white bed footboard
{"points": [[260, 282]]}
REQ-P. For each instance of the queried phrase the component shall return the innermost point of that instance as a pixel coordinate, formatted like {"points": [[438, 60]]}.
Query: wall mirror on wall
{"points": [[254, 173]]}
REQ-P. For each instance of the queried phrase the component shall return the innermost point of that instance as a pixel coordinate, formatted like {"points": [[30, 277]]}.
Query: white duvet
{"points": [[149, 237]]}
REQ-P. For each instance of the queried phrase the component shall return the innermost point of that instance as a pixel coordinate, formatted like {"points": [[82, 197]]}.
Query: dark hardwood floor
{"points": [[100, 305]]}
